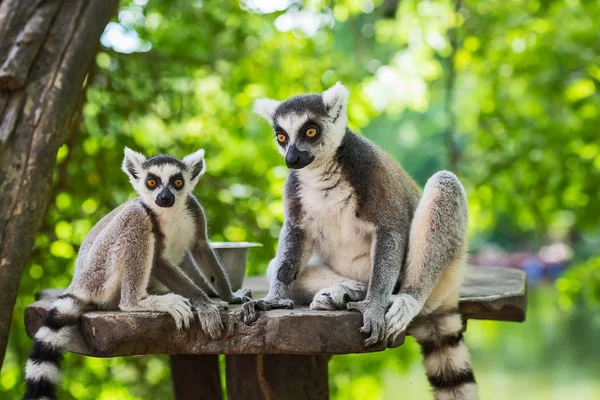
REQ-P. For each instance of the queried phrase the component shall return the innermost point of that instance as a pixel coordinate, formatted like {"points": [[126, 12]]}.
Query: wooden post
{"points": [[277, 376], [196, 377]]}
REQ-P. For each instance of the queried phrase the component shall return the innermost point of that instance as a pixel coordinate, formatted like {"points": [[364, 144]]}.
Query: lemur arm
{"points": [[293, 252], [205, 260], [294, 247], [388, 252], [178, 282]]}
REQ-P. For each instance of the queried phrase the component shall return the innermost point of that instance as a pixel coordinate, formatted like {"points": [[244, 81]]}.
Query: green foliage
{"points": [[580, 284], [525, 102], [533, 146]]}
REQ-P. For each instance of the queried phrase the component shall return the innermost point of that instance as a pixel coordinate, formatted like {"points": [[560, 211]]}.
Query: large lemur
{"points": [[379, 245], [143, 240]]}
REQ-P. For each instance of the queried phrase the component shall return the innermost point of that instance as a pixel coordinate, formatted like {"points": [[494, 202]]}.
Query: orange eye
{"points": [[151, 183], [178, 183], [281, 138], [311, 132]]}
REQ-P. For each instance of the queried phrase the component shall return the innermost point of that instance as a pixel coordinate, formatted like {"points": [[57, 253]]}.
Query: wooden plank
{"points": [[494, 293], [297, 331], [196, 377], [488, 293], [268, 376]]}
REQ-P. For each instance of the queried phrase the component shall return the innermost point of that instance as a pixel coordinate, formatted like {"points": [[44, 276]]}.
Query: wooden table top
{"points": [[490, 293]]}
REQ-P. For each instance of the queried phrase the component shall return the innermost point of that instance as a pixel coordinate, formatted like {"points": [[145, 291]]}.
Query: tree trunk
{"points": [[46, 48]]}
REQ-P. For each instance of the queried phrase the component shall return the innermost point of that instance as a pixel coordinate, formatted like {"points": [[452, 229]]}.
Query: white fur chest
{"points": [[178, 228], [340, 239]]}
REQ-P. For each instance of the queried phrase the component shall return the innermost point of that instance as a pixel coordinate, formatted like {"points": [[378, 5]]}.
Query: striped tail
{"points": [[42, 371], [445, 355]]}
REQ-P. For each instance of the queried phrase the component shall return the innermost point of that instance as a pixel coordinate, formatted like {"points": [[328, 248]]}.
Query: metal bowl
{"points": [[232, 256]]}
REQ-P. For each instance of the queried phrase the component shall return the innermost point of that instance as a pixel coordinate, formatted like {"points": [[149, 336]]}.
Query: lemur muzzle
{"points": [[165, 199], [297, 159]]}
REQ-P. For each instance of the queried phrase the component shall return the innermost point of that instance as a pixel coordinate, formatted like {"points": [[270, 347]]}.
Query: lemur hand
{"points": [[209, 317], [268, 303], [179, 307], [373, 320], [241, 296], [221, 305], [403, 309]]}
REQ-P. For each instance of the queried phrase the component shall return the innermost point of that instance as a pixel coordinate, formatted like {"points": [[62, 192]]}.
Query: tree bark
{"points": [[46, 48]]}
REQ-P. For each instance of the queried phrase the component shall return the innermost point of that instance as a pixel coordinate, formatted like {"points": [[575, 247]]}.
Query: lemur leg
{"points": [[437, 247], [178, 282], [135, 262], [435, 267], [322, 288]]}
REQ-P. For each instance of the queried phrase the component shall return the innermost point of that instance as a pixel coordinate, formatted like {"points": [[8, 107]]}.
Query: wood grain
{"points": [[267, 376]]}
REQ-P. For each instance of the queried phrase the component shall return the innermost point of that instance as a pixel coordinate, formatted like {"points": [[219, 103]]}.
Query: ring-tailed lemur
{"points": [[143, 240], [382, 247]]}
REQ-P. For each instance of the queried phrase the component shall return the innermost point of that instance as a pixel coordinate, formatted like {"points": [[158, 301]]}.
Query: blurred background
{"points": [[503, 92]]}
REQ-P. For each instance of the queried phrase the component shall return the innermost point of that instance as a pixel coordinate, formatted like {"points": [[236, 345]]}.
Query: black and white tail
{"points": [[42, 371], [445, 355]]}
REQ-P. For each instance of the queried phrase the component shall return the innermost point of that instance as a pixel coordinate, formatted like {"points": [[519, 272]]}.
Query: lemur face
{"points": [[163, 181], [308, 128]]}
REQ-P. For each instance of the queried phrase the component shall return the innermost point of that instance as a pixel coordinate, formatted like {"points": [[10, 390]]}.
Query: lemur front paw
{"points": [[241, 296], [336, 297], [249, 315], [200, 302], [179, 307], [221, 305], [373, 320], [210, 320], [403, 309]]}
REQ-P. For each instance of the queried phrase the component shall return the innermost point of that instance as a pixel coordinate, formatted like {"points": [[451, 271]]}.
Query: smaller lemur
{"points": [[139, 242]]}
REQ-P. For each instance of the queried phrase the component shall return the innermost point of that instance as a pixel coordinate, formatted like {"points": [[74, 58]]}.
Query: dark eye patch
{"points": [[307, 125], [174, 180], [280, 131], [152, 181]]}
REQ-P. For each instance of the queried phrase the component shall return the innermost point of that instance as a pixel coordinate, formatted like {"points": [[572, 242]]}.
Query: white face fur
{"points": [[308, 128], [163, 182]]}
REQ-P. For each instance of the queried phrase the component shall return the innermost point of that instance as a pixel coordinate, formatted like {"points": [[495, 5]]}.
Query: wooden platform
{"points": [[488, 293]]}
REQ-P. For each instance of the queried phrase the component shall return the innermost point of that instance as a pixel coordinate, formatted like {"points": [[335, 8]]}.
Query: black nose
{"points": [[297, 159], [165, 199]]}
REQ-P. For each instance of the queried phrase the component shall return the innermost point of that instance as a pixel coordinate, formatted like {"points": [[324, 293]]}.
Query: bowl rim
{"points": [[234, 245]]}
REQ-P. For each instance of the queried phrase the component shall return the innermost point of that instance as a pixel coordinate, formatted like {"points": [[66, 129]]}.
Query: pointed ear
{"points": [[132, 163], [335, 99], [195, 163], [266, 108]]}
